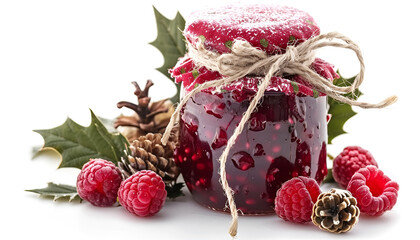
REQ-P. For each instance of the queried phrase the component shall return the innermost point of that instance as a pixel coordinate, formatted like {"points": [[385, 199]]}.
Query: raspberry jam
{"points": [[284, 138]]}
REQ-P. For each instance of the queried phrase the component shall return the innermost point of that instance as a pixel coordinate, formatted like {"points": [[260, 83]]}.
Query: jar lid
{"points": [[269, 27]]}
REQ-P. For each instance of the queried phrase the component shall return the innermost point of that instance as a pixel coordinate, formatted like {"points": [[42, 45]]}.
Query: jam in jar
{"points": [[285, 137]]}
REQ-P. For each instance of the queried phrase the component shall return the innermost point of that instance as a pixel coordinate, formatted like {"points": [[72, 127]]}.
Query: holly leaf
{"points": [[108, 123], [57, 191], [171, 43], [340, 112], [174, 190], [78, 144], [329, 178]]}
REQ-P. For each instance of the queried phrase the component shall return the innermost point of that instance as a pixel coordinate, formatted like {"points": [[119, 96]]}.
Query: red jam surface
{"points": [[284, 138]]}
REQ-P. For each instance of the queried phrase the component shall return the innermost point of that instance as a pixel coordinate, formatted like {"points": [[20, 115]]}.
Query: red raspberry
{"points": [[375, 192], [349, 161], [98, 182], [295, 199], [143, 193]]}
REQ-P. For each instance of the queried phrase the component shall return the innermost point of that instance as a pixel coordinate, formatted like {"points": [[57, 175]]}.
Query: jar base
{"points": [[226, 210]]}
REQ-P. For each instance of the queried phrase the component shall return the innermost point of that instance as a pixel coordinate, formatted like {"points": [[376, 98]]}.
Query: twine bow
{"points": [[244, 60]]}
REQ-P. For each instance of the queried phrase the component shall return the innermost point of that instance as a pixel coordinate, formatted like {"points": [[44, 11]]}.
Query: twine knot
{"points": [[245, 59]]}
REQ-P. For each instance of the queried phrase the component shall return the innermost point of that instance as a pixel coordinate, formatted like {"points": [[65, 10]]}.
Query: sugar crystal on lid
{"points": [[271, 24]]}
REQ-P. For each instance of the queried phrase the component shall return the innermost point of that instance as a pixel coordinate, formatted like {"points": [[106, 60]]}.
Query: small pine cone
{"points": [[150, 117], [148, 153], [335, 211]]}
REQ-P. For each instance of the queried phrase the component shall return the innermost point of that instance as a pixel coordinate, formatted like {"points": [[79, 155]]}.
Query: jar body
{"points": [[285, 137]]}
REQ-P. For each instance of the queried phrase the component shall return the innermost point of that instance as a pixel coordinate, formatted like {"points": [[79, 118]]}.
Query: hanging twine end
{"points": [[233, 230], [385, 103], [392, 99]]}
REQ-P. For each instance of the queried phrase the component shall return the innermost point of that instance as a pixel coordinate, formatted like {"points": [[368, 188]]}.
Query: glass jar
{"points": [[285, 137]]}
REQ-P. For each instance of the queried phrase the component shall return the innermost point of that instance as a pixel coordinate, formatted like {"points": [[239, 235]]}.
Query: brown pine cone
{"points": [[335, 211], [150, 116], [148, 153]]}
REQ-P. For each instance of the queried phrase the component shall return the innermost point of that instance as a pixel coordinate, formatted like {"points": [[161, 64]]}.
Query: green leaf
{"points": [[295, 87], [264, 43], [202, 37], [329, 178], [78, 144], [175, 190], [229, 44], [57, 191], [340, 112], [195, 73], [108, 123], [40, 151], [171, 43], [315, 93], [292, 40]]}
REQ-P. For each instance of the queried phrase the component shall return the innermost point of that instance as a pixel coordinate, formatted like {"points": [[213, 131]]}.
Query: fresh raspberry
{"points": [[143, 193], [295, 199], [98, 182], [375, 192], [268, 27], [349, 161]]}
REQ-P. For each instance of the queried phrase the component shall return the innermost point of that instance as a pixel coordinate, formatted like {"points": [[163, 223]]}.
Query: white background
{"points": [[60, 58]]}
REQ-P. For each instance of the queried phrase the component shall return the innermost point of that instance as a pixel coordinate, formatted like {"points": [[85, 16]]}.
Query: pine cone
{"points": [[148, 153], [150, 117], [335, 211]]}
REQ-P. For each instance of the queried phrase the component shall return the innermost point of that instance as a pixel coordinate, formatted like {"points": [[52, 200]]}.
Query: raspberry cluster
{"points": [[375, 192], [143, 193], [295, 199], [349, 161], [356, 169], [100, 183]]}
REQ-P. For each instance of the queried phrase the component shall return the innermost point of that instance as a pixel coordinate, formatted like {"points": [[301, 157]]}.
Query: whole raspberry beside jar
{"points": [[98, 182], [375, 192], [143, 193], [295, 199], [349, 161]]}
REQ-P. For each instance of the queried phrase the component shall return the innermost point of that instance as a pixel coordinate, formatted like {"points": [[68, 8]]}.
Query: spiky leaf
{"points": [[57, 191], [340, 112], [174, 190], [78, 144], [108, 123], [329, 178], [171, 43]]}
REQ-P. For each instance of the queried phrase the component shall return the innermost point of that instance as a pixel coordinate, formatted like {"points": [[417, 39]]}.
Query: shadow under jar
{"points": [[285, 137]]}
